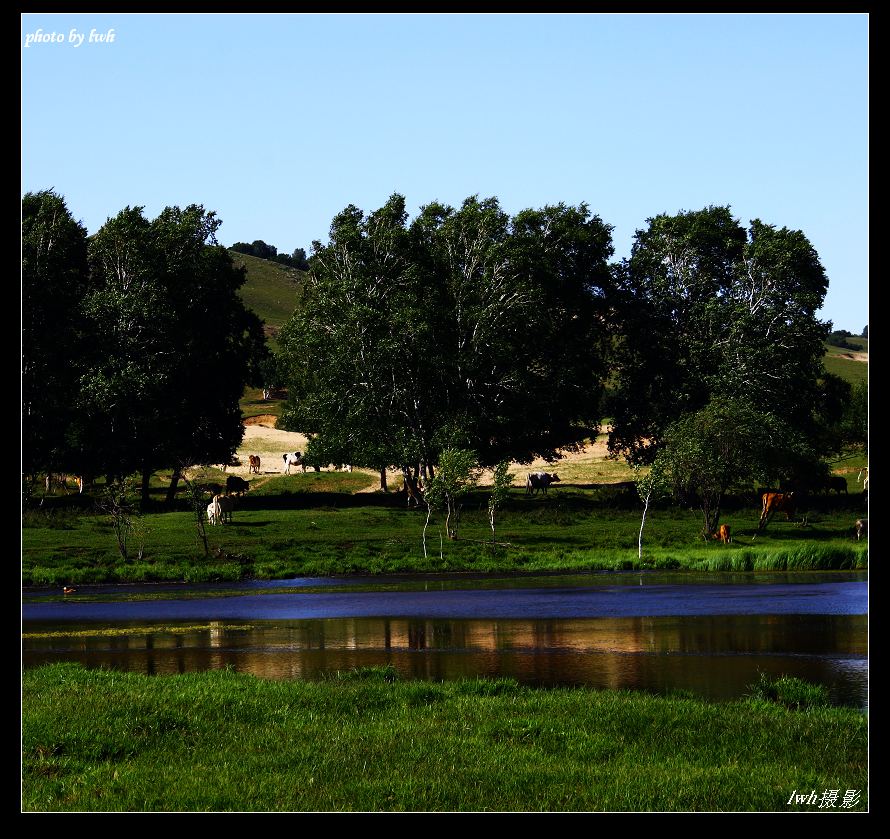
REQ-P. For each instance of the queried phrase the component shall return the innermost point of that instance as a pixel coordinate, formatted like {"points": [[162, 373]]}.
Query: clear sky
{"points": [[277, 122]]}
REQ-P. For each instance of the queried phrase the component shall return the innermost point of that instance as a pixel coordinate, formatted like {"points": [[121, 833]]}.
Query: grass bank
{"points": [[97, 740], [317, 525]]}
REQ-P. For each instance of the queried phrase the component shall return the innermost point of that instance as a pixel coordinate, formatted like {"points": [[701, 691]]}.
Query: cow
{"points": [[223, 506], [254, 460], [861, 528], [235, 484], [723, 534], [292, 459], [539, 481], [773, 502], [837, 483], [211, 488], [213, 512]]}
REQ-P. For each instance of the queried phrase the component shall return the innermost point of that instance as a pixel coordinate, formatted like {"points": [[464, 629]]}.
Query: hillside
{"points": [[848, 364], [271, 291]]}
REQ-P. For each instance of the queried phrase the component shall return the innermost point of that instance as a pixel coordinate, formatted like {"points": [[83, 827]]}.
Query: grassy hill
{"points": [[272, 290], [848, 364]]}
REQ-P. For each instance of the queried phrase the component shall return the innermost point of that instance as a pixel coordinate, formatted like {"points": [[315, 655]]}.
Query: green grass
{"points": [[315, 525], [272, 290], [96, 740], [837, 361]]}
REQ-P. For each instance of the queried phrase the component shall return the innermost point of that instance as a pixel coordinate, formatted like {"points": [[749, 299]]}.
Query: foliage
{"points": [[709, 311], [456, 476], [261, 250], [116, 502], [726, 444], [502, 480], [54, 280], [464, 319], [838, 339], [171, 345], [853, 426]]}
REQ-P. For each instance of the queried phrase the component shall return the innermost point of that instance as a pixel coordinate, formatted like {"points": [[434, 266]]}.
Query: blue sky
{"points": [[277, 122]]}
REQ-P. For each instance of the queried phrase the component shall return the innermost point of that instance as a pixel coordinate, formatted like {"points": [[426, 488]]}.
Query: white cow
{"points": [[219, 511]]}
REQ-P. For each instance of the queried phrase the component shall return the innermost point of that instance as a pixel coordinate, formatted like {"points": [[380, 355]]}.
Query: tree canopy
{"points": [[160, 346], [54, 281], [708, 310], [465, 328]]}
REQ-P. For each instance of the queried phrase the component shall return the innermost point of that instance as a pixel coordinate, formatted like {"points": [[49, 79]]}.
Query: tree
{"points": [[650, 484], [502, 480], [726, 444], [865, 331], [172, 345], [708, 310], [853, 425], [457, 475], [463, 321], [54, 281]]}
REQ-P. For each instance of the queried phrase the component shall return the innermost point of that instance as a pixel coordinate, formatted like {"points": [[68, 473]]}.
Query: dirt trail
{"points": [[262, 438]]}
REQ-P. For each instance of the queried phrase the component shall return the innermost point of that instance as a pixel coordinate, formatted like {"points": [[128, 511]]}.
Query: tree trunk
{"points": [[171, 490], [146, 477], [383, 486]]}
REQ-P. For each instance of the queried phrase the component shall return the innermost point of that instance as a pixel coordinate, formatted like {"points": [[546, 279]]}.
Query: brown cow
{"points": [[773, 502], [723, 534], [254, 464]]}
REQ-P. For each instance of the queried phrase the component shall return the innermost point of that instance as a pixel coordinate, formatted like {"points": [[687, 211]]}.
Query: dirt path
{"points": [[262, 438]]}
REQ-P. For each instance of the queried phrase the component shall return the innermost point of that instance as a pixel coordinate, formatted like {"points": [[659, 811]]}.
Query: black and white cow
{"points": [[293, 459]]}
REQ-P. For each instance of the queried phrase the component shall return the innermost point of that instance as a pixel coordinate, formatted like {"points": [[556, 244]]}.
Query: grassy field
{"points": [[98, 740], [320, 524]]}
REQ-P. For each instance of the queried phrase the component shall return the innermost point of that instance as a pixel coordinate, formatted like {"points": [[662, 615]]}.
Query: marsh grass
{"points": [[218, 741]]}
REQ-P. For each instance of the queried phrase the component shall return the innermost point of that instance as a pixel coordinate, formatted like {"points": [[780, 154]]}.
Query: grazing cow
{"points": [[861, 528], [539, 481], [723, 534], [837, 483], [235, 484], [223, 506], [293, 459], [254, 464], [212, 488], [776, 502]]}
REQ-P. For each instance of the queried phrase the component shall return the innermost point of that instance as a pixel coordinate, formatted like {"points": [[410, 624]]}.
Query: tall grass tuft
{"points": [[789, 691]]}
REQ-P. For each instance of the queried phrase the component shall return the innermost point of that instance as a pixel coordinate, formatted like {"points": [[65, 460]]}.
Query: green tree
{"points": [[465, 319], [54, 281], [709, 310], [853, 424], [457, 475], [172, 345], [502, 480], [726, 444]]}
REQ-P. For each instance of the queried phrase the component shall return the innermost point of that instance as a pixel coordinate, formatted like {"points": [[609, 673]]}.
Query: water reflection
{"points": [[712, 656]]}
